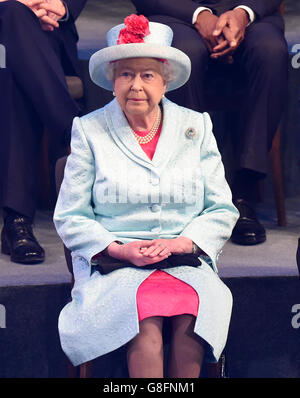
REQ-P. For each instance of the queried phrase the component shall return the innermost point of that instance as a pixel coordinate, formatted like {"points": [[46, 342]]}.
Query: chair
{"points": [[232, 103], [212, 370]]}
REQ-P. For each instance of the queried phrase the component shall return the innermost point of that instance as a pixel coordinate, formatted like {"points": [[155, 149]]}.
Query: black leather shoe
{"points": [[248, 230], [18, 241]]}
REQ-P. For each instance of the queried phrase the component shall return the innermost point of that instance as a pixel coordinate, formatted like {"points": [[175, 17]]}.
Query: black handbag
{"points": [[106, 264]]}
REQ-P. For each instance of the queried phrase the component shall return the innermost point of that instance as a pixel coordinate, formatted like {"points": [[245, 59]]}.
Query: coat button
{"points": [[154, 180], [155, 208], [190, 132]]}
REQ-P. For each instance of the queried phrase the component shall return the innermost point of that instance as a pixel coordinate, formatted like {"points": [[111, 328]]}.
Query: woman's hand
{"points": [[134, 252], [144, 252], [178, 245]]}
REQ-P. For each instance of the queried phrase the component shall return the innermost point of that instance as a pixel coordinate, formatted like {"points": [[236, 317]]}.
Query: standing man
{"points": [[249, 34], [39, 37]]}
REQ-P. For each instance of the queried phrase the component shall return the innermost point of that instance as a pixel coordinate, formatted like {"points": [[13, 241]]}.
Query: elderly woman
{"points": [[144, 182]]}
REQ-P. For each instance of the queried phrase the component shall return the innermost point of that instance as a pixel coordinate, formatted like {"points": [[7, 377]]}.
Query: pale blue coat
{"points": [[113, 191]]}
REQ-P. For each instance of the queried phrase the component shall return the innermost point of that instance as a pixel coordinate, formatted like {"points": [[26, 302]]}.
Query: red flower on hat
{"points": [[136, 28]]}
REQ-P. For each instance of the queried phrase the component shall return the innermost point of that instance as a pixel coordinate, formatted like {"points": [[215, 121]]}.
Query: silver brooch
{"points": [[190, 132]]}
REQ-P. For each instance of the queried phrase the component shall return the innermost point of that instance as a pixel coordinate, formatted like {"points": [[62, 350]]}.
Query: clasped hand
{"points": [[48, 12], [223, 34], [144, 252]]}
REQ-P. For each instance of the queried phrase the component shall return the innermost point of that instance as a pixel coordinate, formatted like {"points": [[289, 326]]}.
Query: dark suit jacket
{"points": [[68, 37], [184, 9]]}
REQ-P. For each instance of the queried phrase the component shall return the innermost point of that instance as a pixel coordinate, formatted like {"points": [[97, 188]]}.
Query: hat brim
{"points": [[180, 62]]}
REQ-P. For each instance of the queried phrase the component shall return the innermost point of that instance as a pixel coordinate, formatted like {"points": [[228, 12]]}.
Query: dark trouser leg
{"points": [[263, 56], [188, 40], [20, 143], [37, 95], [35, 67]]}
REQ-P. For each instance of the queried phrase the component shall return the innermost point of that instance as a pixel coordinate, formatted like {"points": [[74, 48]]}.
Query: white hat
{"points": [[139, 38]]}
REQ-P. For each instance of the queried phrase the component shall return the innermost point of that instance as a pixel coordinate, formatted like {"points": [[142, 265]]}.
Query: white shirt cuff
{"points": [[249, 11], [66, 16], [197, 12]]}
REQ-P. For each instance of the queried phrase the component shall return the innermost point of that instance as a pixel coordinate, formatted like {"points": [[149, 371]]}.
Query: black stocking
{"points": [[145, 351], [186, 348]]}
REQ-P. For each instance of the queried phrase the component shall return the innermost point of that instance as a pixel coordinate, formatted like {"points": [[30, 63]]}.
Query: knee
{"points": [[16, 10], [155, 344], [151, 345], [15, 19], [272, 49], [148, 344], [270, 52]]}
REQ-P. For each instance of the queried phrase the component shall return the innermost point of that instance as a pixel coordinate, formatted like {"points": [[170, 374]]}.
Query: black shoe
{"points": [[248, 230], [18, 241]]}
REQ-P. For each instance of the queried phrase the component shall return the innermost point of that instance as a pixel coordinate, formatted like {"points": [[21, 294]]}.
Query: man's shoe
{"points": [[248, 230], [18, 241]]}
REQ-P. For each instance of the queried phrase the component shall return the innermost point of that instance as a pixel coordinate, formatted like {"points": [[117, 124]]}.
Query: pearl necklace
{"points": [[148, 137]]}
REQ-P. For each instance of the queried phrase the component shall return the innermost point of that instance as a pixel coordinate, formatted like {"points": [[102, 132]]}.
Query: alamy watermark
{"points": [[296, 58], [296, 318], [2, 316], [2, 57], [182, 186]]}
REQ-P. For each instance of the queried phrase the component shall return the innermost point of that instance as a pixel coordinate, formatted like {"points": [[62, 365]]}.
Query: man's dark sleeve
{"points": [[75, 7], [180, 9], [262, 8]]}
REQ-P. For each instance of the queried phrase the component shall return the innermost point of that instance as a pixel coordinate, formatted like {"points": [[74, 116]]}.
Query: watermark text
{"points": [[296, 318], [2, 316], [2, 56], [296, 58]]}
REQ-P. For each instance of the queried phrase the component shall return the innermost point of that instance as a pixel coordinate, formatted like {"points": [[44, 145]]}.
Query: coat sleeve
{"points": [[180, 9], [213, 226], [262, 8], [74, 217], [74, 8]]}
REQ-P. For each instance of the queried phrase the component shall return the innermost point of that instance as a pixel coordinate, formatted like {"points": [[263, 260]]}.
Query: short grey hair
{"points": [[168, 73]]}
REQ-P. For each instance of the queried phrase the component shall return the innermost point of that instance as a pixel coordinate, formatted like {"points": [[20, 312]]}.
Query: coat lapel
{"points": [[168, 139], [122, 134], [123, 137]]}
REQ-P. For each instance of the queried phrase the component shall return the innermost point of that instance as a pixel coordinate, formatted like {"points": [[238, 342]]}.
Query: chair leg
{"points": [[45, 185], [72, 371], [217, 370], [86, 370], [277, 176]]}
